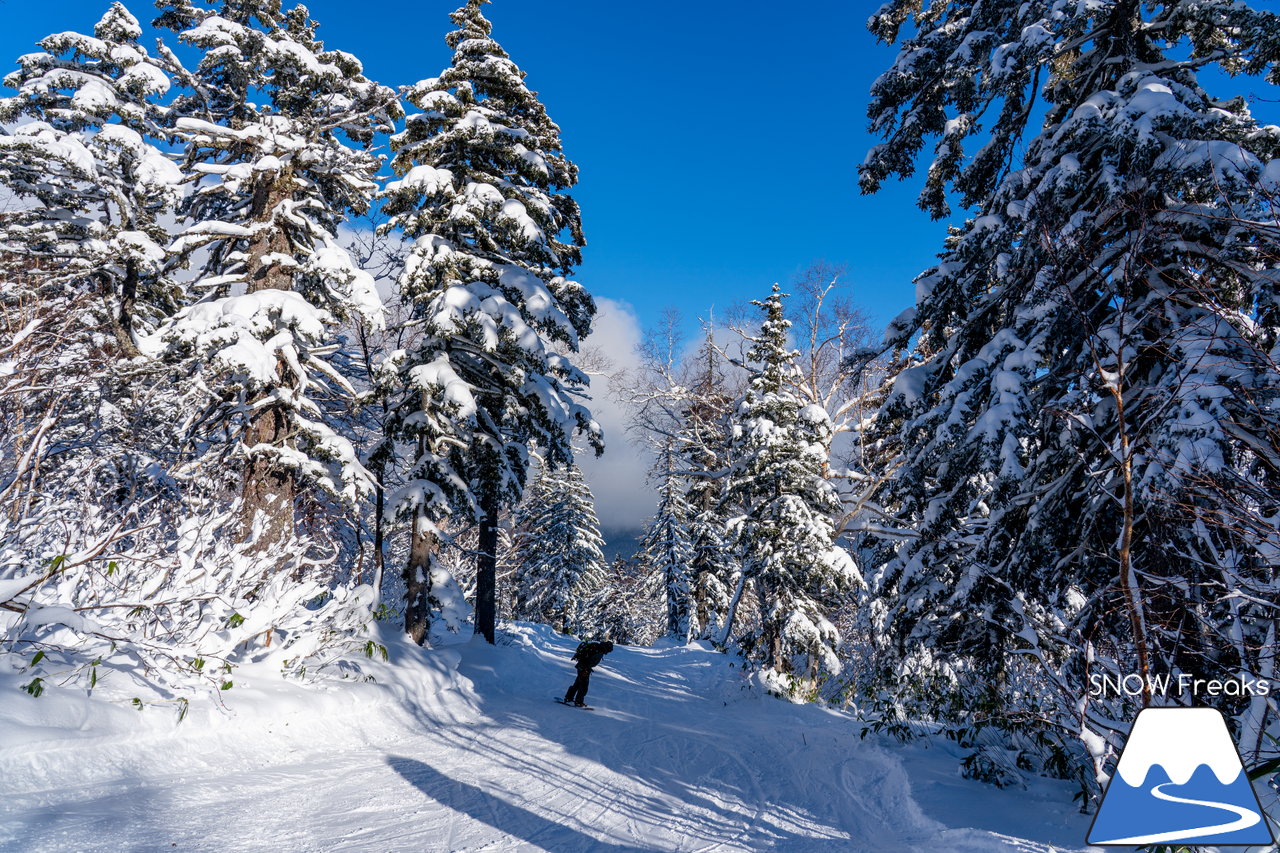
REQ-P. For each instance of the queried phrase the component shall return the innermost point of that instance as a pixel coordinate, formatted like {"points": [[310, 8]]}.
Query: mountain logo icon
{"points": [[1180, 779]]}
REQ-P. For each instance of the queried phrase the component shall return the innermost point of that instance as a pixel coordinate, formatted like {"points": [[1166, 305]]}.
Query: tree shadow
{"points": [[508, 818], [691, 777]]}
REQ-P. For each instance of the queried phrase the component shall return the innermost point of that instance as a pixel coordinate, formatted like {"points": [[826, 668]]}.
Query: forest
{"points": [[288, 354]]}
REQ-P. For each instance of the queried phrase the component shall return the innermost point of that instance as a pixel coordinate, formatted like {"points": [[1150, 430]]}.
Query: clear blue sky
{"points": [[717, 142]]}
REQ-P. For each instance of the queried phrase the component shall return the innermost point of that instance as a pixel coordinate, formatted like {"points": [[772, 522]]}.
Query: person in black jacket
{"points": [[588, 656]]}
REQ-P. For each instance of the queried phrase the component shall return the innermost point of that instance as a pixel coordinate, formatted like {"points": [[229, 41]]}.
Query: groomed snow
{"points": [[463, 749]]}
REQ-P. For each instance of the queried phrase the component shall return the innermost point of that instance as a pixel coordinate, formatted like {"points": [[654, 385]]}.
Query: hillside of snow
{"points": [[462, 749]]}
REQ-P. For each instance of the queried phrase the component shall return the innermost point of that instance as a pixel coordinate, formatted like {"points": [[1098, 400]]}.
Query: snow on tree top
{"points": [[424, 178]]}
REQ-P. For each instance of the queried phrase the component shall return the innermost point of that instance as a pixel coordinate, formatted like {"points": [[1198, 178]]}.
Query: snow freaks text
{"points": [[1182, 684]]}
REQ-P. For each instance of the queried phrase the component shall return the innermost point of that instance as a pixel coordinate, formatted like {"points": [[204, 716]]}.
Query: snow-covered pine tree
{"points": [[666, 553], [277, 129], [1094, 351], [526, 526], [481, 192], [680, 407], [86, 168], [83, 252], [99, 497], [784, 537], [702, 442], [560, 562]]}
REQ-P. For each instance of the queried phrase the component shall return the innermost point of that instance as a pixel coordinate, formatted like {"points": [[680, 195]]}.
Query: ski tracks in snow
{"points": [[677, 757]]}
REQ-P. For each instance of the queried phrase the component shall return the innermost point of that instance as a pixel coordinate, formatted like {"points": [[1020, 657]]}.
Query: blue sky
{"points": [[717, 142]]}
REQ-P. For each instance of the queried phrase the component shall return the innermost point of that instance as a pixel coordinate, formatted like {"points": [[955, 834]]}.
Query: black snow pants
{"points": [[578, 691]]}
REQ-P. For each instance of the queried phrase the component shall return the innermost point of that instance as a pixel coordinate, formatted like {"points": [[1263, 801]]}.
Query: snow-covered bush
{"points": [[86, 598]]}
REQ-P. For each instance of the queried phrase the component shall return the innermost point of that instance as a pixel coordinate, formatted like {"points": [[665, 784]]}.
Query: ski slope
{"points": [[463, 749]]}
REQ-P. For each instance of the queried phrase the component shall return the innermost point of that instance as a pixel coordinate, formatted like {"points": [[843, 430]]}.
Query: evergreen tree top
{"points": [[118, 24], [482, 70], [180, 15], [482, 163], [255, 51], [471, 23], [482, 76], [83, 81], [770, 347]]}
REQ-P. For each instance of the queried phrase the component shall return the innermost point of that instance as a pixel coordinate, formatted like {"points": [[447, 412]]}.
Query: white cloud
{"points": [[624, 498]]}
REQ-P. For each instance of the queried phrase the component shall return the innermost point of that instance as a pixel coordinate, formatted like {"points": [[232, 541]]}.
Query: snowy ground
{"points": [[676, 756]]}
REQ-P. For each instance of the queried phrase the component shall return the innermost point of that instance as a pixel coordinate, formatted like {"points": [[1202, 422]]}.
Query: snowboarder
{"points": [[588, 655]]}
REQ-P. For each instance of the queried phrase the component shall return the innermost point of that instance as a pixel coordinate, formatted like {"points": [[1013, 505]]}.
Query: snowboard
{"points": [[571, 705]]}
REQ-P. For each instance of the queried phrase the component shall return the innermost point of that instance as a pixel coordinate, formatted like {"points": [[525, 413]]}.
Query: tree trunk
{"points": [[379, 534], [487, 569], [268, 489], [770, 630], [122, 323], [733, 611], [1129, 583], [417, 583]]}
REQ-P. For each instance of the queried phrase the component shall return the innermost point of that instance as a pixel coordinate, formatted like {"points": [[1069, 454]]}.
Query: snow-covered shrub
{"points": [[120, 553], [85, 598]]}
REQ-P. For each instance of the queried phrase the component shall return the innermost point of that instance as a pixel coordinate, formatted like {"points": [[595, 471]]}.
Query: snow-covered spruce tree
{"points": [[111, 538], [91, 181], [1081, 374], [481, 194], [87, 444], [702, 441], [680, 408], [666, 553], [277, 129], [85, 247], [526, 521], [784, 537], [560, 565]]}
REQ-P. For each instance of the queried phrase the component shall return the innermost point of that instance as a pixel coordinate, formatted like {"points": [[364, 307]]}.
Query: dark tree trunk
{"points": [[417, 582], [770, 631], [487, 569], [123, 321], [379, 533], [268, 489]]}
